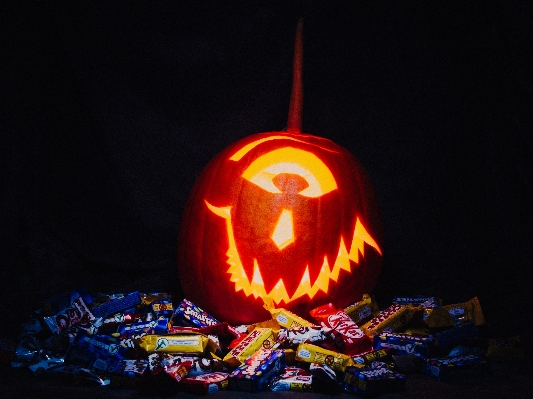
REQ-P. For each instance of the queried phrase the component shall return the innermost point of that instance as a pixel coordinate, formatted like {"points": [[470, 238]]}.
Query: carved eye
{"points": [[295, 161]]}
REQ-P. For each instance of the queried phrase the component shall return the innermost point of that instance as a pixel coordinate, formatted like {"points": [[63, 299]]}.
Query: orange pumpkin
{"points": [[283, 218]]}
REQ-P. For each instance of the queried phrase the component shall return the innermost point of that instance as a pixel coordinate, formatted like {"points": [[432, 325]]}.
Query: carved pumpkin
{"points": [[283, 218]]}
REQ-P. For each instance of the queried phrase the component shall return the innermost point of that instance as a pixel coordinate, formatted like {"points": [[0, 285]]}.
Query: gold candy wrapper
{"points": [[178, 343], [288, 319], [310, 353], [362, 311], [395, 317], [467, 311], [255, 340]]}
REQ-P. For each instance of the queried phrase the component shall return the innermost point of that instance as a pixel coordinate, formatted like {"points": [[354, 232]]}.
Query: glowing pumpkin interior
{"points": [[263, 172]]}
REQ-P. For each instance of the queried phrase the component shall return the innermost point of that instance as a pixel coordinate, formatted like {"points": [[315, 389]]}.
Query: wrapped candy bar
{"points": [[162, 308], [419, 300], [257, 339], [467, 312], [97, 352], [349, 338], [404, 344], [394, 318], [178, 343], [257, 370], [455, 335], [178, 371], [445, 367], [128, 372], [75, 314], [362, 311], [159, 326], [117, 304], [324, 378], [288, 319], [310, 353], [292, 379], [295, 336], [206, 383], [371, 382], [199, 365], [365, 359], [223, 331], [188, 314]]}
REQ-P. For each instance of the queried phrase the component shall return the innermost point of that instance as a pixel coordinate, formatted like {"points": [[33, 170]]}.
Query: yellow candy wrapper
{"points": [[310, 353], [178, 343], [288, 319], [255, 340]]}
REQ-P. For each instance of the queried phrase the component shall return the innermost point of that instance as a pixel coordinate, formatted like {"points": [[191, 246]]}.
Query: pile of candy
{"points": [[152, 342]]}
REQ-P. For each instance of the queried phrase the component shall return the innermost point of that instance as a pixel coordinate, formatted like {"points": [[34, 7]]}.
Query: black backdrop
{"points": [[114, 108]]}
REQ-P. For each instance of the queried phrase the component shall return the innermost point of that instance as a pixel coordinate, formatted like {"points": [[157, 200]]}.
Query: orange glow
{"points": [[283, 233], [291, 160], [279, 293]]}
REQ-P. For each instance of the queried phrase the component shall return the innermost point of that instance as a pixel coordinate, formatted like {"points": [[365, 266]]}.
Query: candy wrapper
{"points": [[349, 338], [128, 373], [188, 314], [292, 379], [310, 334], [178, 343], [116, 304], [200, 365], [454, 336], [75, 314], [395, 318], [363, 310], [404, 344], [505, 349], [310, 353], [372, 382], [257, 371], [467, 312], [288, 319], [260, 338], [455, 366], [206, 383]]}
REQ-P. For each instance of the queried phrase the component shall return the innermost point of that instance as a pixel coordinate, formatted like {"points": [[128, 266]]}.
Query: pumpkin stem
{"points": [[294, 124]]}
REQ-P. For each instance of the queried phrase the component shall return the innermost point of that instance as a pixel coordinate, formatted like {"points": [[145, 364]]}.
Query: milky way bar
{"points": [[371, 382], [257, 371], [394, 318], [404, 344], [188, 314], [310, 353], [454, 365]]}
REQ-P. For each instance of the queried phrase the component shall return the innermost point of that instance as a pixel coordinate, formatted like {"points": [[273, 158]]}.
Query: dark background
{"points": [[114, 108]]}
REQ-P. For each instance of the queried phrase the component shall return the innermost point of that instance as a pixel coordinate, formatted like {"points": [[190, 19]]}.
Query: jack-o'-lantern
{"points": [[282, 218]]}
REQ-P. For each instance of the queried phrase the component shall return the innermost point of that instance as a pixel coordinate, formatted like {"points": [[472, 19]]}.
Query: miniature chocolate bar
{"points": [[206, 383], [188, 314], [371, 382], [257, 371]]}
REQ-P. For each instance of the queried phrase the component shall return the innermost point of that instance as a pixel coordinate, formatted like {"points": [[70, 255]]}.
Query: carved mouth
{"points": [[279, 293]]}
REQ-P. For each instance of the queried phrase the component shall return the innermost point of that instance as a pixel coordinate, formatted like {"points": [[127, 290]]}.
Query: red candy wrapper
{"points": [[206, 383], [349, 338]]}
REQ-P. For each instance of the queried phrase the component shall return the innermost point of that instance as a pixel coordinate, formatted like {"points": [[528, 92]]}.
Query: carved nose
{"points": [[283, 234]]}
